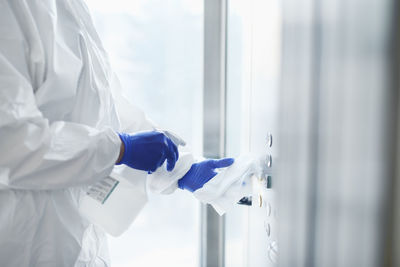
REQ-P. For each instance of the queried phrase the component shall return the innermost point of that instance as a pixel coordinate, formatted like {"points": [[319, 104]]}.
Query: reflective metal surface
{"points": [[339, 90], [269, 139], [212, 225], [273, 252], [269, 160]]}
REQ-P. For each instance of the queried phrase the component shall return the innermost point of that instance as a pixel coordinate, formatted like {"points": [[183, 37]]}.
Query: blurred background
{"points": [[312, 84]]}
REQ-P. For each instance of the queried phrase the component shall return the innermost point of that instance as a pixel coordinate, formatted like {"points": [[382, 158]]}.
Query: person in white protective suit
{"points": [[64, 124]]}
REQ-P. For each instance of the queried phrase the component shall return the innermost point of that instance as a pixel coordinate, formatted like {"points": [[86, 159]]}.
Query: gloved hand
{"points": [[201, 172], [147, 151]]}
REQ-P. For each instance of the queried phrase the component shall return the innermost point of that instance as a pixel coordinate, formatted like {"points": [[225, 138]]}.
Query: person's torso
{"points": [[70, 76]]}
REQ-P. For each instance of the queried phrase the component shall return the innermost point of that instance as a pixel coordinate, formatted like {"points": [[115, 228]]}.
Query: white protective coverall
{"points": [[60, 108]]}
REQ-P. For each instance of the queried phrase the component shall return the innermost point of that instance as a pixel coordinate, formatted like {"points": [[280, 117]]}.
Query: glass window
{"points": [[156, 48]]}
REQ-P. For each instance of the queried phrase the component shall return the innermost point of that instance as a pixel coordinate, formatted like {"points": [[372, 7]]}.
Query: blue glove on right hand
{"points": [[147, 151], [201, 172]]}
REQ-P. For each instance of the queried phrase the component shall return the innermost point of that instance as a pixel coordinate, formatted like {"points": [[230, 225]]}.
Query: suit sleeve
{"points": [[38, 155]]}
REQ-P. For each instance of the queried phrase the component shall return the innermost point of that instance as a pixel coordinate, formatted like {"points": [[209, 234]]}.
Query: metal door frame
{"points": [[214, 109]]}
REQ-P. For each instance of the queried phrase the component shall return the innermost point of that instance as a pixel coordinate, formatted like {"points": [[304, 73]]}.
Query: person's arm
{"points": [[37, 154]]}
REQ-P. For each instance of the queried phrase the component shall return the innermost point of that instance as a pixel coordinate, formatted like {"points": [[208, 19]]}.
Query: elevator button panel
{"points": [[263, 209]]}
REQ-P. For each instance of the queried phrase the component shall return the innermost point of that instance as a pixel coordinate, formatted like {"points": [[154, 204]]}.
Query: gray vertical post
{"points": [[212, 225]]}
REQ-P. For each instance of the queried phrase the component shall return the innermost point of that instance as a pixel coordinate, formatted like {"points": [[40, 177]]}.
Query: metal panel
{"points": [[337, 132], [295, 137], [212, 225], [263, 117], [392, 256]]}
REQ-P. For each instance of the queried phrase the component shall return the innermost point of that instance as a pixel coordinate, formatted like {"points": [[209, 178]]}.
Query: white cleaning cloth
{"points": [[230, 184], [223, 191]]}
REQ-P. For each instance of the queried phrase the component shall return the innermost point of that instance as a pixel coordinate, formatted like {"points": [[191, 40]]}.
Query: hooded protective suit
{"points": [[60, 108]]}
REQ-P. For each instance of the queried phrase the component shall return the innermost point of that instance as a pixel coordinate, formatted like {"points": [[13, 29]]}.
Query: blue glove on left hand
{"points": [[201, 172]]}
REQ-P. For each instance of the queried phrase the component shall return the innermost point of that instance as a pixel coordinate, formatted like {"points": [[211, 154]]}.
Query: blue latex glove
{"points": [[147, 151], [201, 172]]}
